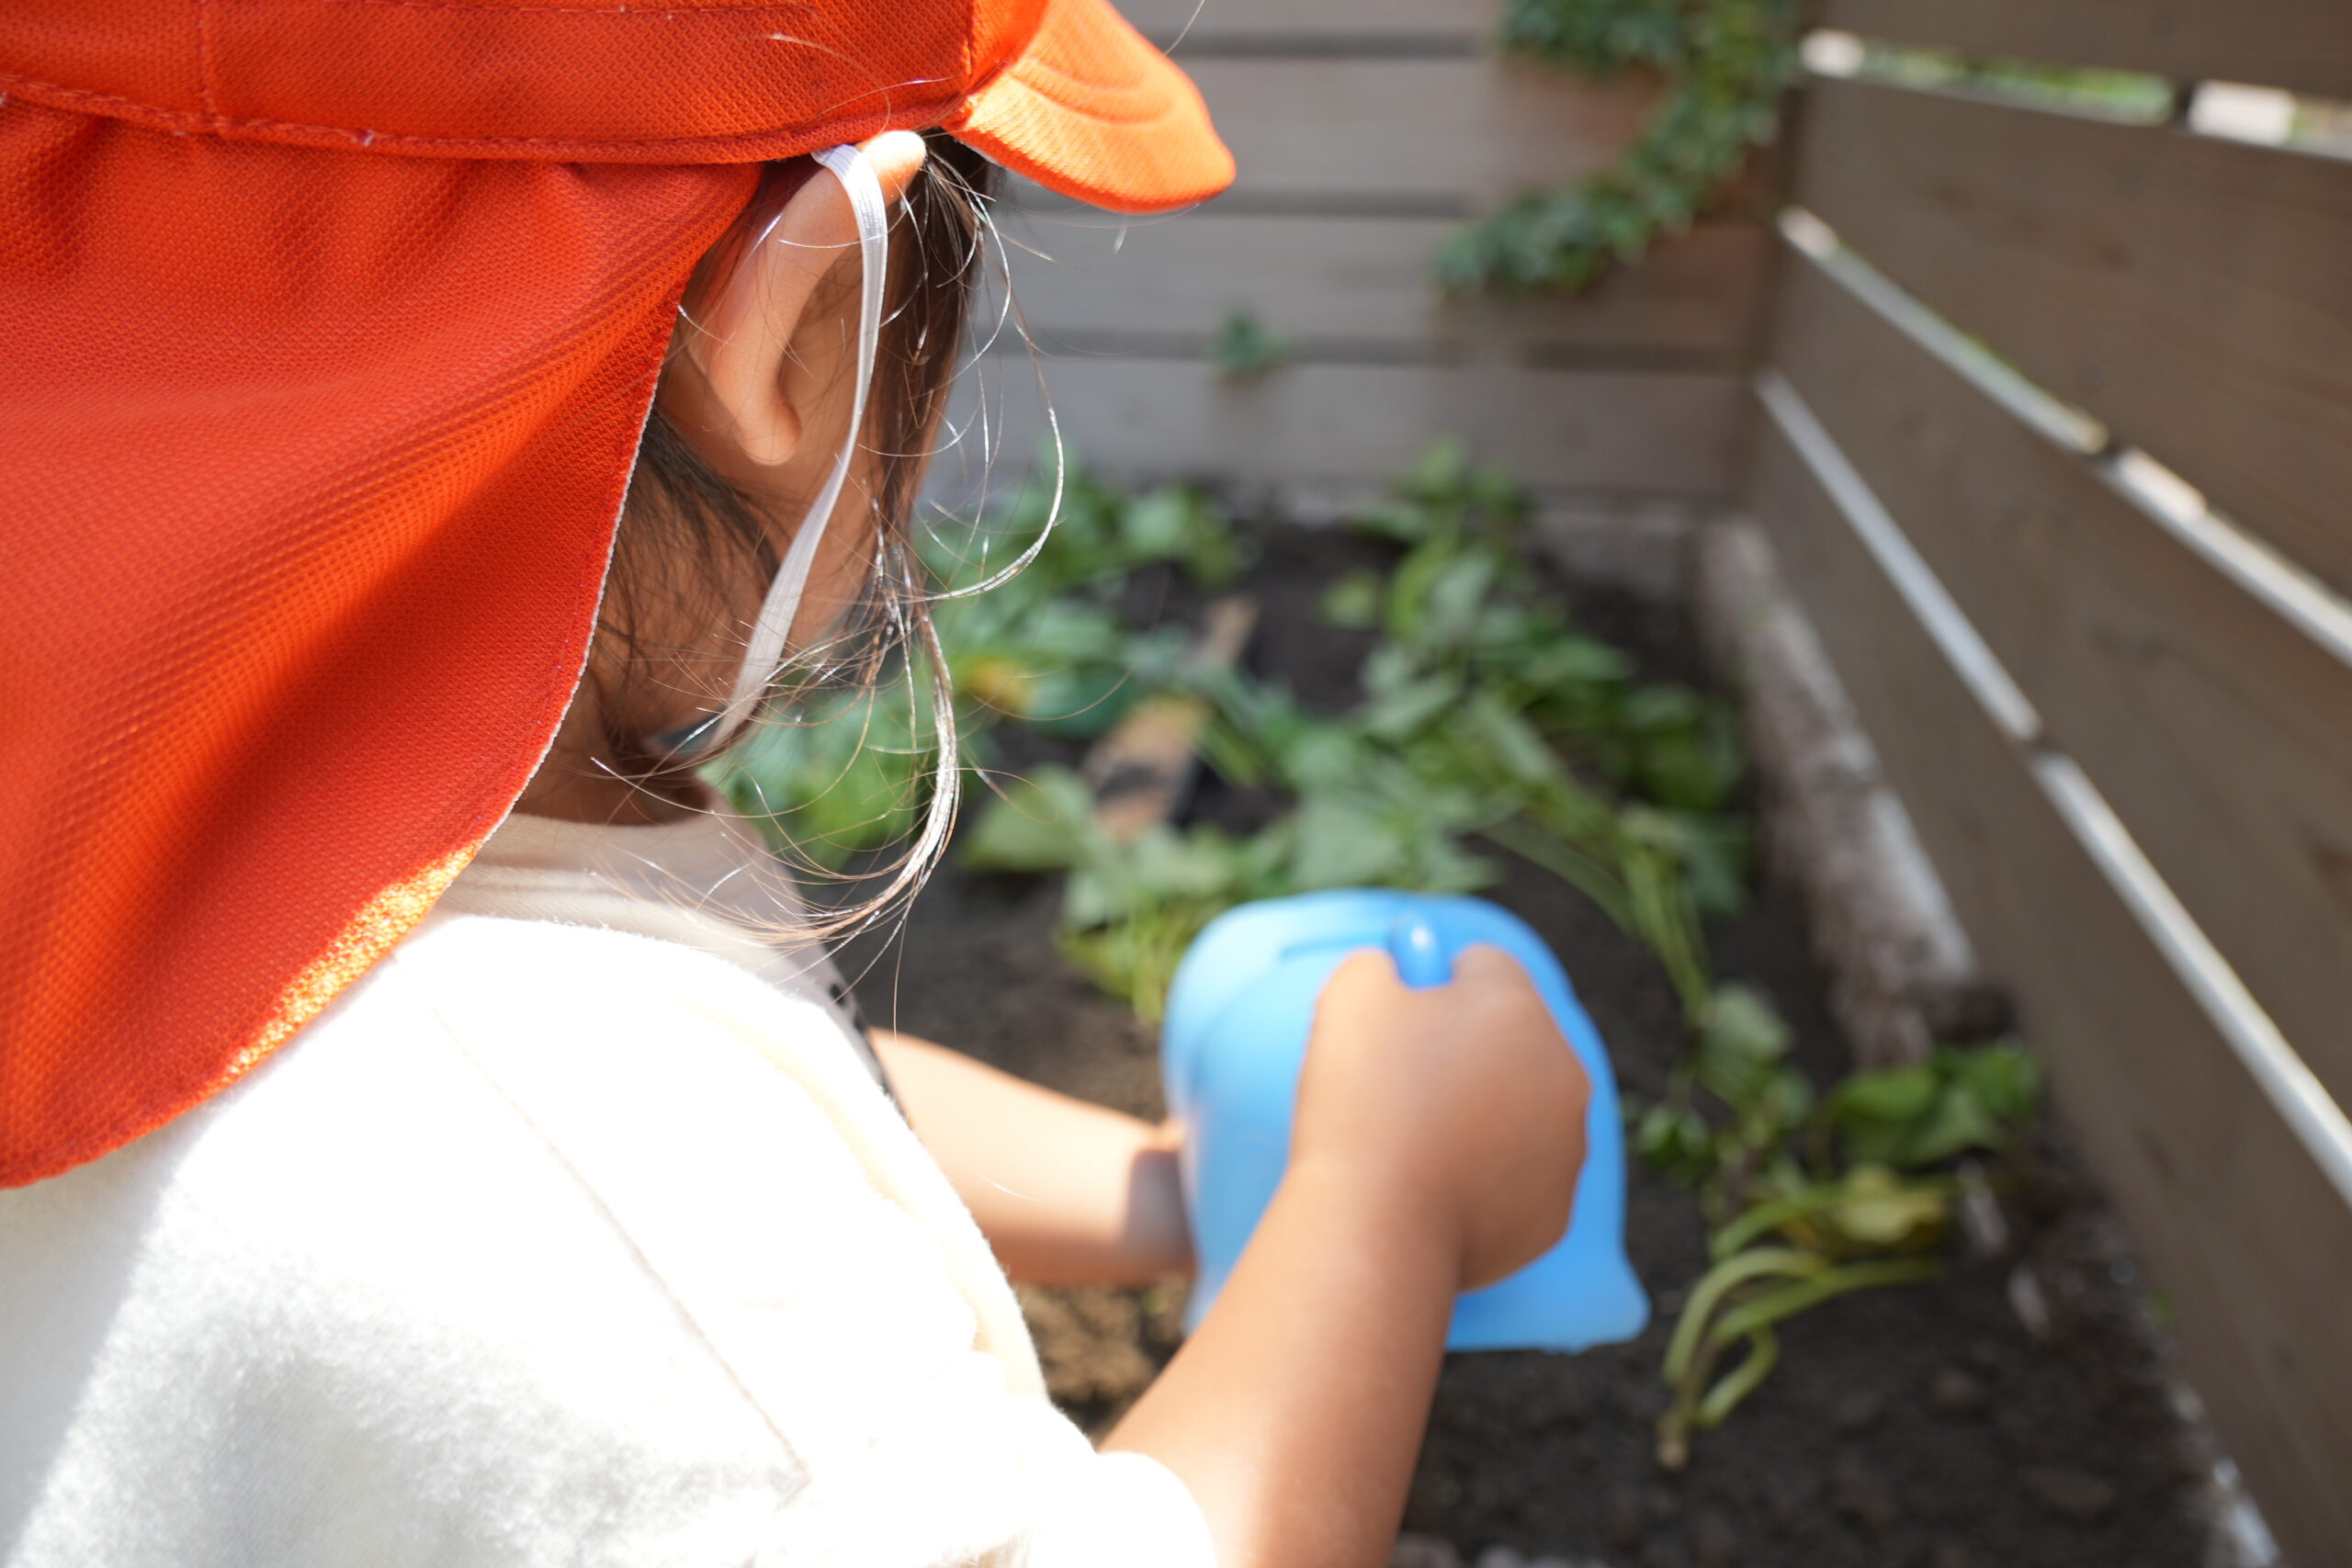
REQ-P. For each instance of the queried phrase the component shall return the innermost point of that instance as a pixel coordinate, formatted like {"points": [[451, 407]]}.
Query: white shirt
{"points": [[576, 1232]]}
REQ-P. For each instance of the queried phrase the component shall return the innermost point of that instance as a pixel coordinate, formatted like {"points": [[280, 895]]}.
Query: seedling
{"points": [[1474, 696], [1244, 350], [1740, 1300], [1867, 1210]]}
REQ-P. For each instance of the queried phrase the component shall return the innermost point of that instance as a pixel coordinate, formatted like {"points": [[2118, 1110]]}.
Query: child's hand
{"points": [[1436, 1147], [1462, 1100]]}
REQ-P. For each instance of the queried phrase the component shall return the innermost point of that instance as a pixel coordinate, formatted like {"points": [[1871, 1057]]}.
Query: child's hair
{"points": [[685, 529]]}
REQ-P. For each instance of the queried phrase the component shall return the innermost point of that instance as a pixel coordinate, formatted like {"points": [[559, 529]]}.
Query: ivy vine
{"points": [[1727, 64]]}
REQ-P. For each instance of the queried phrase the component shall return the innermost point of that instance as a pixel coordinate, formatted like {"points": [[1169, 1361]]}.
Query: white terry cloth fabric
{"points": [[705, 881], [575, 1233]]}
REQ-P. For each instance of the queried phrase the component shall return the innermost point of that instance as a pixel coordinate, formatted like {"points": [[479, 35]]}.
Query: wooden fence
{"points": [[2052, 431], [2009, 347], [1366, 132]]}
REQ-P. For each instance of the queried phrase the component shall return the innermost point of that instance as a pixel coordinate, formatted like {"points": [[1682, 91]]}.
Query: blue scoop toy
{"points": [[1230, 1053]]}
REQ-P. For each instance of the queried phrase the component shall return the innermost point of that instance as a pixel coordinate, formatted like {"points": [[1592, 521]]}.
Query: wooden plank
{"points": [[2302, 44], [1466, 131], [2248, 1238], [1365, 280], [1350, 428], [2221, 732], [2189, 292], [1141, 771], [1191, 24]]}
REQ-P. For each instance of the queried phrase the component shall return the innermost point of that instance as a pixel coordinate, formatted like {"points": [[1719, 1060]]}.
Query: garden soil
{"points": [[1922, 1425]]}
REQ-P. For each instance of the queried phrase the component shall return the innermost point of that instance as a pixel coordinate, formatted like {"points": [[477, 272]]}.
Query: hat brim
{"points": [[1091, 111]]}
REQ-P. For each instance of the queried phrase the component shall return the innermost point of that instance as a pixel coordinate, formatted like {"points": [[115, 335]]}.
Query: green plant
{"points": [[1129, 909], [1811, 1201], [1476, 694], [1486, 719], [843, 774], [1726, 63], [1244, 350]]}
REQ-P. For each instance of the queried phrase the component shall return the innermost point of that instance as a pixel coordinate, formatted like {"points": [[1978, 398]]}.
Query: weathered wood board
{"points": [[2189, 292], [1437, 137], [1193, 24], [1339, 284], [2221, 732], [1365, 133], [2302, 44], [1346, 428], [2236, 1223]]}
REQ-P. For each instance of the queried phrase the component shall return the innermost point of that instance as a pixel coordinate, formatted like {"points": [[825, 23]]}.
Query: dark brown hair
{"points": [[686, 531], [684, 527]]}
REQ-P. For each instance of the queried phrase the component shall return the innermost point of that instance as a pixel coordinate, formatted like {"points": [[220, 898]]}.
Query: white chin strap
{"points": [[763, 655]]}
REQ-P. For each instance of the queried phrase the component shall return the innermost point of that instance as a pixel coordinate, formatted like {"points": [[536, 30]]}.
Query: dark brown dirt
{"points": [[1917, 1426]]}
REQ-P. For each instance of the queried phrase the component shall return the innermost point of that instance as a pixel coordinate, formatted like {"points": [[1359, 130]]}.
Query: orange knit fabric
{"points": [[330, 327]]}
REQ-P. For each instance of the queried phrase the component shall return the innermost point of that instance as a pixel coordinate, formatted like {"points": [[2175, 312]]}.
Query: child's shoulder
{"points": [[612, 1043]]}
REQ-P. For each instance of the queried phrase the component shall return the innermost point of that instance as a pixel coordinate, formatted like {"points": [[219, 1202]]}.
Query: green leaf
{"points": [[2004, 1078], [1727, 62], [1038, 823], [1408, 585], [1517, 752], [1402, 712], [1741, 1041], [1878, 1211], [1926, 1114], [1159, 524], [1390, 665], [1742, 1023], [1957, 1122], [1176, 523], [1243, 350], [1341, 844], [1352, 601], [1203, 863], [836, 776], [1078, 705], [1317, 757], [1456, 596], [1784, 1101], [1443, 865], [1405, 521], [1439, 473], [1571, 660], [1892, 1095], [1663, 710], [1672, 1140], [1714, 853], [1694, 768]]}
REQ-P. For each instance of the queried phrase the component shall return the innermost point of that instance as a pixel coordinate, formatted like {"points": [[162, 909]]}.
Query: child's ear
{"points": [[747, 321]]}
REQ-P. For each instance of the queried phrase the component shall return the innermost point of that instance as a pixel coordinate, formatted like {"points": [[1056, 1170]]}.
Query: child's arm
{"points": [[1068, 1194], [1438, 1140]]}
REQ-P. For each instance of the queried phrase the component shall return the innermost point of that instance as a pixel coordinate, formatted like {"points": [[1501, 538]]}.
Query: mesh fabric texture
{"points": [[329, 331]]}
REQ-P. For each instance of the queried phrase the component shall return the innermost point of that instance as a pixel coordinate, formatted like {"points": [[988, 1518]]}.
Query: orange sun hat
{"points": [[330, 328]]}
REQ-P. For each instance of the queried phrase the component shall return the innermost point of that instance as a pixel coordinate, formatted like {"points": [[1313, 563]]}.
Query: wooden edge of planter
{"points": [[1141, 770], [1903, 974]]}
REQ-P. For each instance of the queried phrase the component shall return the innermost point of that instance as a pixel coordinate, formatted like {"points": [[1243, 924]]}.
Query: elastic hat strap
{"points": [[763, 655]]}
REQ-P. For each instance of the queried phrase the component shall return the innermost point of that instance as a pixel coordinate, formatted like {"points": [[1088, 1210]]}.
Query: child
{"points": [[428, 1135]]}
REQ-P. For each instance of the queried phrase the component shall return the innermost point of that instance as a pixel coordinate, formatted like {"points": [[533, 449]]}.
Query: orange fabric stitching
{"points": [[207, 88], [541, 148]]}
